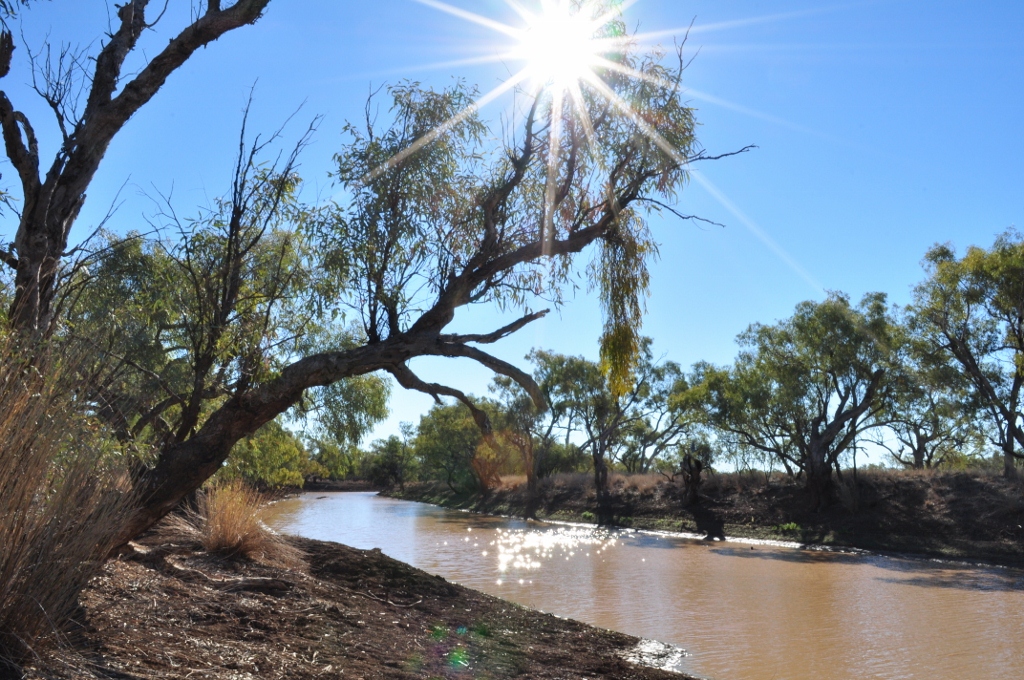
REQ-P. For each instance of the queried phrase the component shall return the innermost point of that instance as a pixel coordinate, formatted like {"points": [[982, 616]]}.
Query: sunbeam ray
{"points": [[749, 21], [469, 61], [523, 13], [757, 231], [473, 17], [554, 137], [711, 99], [444, 127], [753, 113], [717, 194]]}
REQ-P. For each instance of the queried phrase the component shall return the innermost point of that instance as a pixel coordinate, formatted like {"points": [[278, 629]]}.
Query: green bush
{"points": [[271, 458]]}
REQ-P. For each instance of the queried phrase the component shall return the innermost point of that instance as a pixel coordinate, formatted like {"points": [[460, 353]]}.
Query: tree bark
{"points": [[51, 202], [604, 513], [692, 469]]}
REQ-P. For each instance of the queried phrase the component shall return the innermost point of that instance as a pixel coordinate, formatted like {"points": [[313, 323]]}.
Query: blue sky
{"points": [[882, 127]]}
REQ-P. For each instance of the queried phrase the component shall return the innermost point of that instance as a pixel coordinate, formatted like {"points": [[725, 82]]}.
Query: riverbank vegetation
{"points": [[257, 337], [167, 610], [931, 386], [973, 515]]}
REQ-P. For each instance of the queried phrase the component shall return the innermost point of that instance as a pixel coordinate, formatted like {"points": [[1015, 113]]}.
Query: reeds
{"points": [[62, 500]]}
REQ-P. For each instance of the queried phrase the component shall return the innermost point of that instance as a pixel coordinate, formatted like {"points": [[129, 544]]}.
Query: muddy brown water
{"points": [[742, 611]]}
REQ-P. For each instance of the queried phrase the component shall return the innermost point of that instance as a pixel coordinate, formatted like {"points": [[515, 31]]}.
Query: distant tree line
{"points": [[934, 384]]}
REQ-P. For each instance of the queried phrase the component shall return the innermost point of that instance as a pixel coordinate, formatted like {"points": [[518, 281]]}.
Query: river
{"points": [[742, 611]]}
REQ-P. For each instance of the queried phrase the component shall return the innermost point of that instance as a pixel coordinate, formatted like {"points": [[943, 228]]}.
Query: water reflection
{"points": [[524, 550], [743, 614]]}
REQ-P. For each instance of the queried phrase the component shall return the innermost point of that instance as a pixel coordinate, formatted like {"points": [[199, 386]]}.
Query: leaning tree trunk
{"points": [[1009, 460], [52, 197], [531, 465]]}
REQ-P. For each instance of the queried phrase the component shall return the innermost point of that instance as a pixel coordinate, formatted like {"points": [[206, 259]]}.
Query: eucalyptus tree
{"points": [[970, 313], [449, 445], [933, 417], [805, 389], [432, 217], [633, 426], [660, 423], [542, 435], [92, 94]]}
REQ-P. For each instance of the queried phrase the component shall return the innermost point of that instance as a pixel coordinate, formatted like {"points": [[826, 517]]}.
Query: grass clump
{"points": [[63, 500], [228, 522]]}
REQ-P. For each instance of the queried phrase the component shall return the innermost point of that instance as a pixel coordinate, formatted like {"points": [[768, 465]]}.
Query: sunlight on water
{"points": [[740, 610], [529, 549]]}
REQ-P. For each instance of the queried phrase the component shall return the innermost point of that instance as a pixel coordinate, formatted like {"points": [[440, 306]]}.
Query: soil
{"points": [[974, 516], [172, 611]]}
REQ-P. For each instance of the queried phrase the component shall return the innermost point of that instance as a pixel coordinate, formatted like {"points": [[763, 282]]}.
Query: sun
{"points": [[561, 45]]}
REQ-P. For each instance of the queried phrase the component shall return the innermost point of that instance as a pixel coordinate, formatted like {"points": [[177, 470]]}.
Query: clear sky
{"points": [[882, 127]]}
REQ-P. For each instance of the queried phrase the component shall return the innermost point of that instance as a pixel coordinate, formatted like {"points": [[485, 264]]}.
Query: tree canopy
{"points": [[970, 313], [259, 305], [803, 390]]}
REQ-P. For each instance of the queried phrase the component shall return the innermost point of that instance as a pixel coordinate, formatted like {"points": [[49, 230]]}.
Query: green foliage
{"points": [[803, 390], [969, 314], [624, 281], [634, 428], [390, 462], [273, 457], [446, 442], [333, 460]]}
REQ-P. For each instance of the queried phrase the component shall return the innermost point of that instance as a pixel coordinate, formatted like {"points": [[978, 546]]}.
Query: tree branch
{"points": [[499, 334], [410, 381], [524, 379]]}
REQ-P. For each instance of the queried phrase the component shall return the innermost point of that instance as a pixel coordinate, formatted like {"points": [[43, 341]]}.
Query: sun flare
{"points": [[560, 45]]}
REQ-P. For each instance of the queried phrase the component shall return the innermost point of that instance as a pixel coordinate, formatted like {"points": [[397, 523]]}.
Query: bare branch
{"points": [[410, 381], [497, 335], [702, 156], [524, 379], [682, 216]]}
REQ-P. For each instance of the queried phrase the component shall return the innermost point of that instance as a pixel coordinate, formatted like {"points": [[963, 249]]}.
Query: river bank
{"points": [[973, 516], [176, 611]]}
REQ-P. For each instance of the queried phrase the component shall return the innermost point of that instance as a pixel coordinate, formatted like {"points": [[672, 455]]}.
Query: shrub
{"points": [[62, 505], [271, 458], [228, 522]]}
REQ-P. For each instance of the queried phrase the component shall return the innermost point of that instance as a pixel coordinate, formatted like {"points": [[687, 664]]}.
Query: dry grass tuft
{"points": [[637, 482], [62, 504], [580, 481], [512, 481], [228, 522]]}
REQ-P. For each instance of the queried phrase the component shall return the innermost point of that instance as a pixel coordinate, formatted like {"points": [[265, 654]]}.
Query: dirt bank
{"points": [[961, 515], [178, 612]]}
